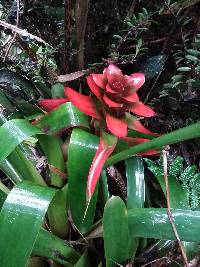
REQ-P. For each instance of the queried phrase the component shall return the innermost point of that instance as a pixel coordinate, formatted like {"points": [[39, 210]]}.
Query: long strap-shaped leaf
{"points": [[21, 218], [105, 148], [189, 132], [135, 192], [135, 182], [65, 116], [12, 133], [52, 150], [50, 246], [115, 232], [82, 149], [154, 223]]}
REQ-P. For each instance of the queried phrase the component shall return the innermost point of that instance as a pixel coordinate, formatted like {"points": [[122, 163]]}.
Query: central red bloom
{"points": [[116, 98], [117, 94]]}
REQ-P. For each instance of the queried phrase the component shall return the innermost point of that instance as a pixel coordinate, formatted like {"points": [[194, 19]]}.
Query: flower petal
{"points": [[105, 148], [86, 104], [100, 80], [94, 87], [116, 126], [131, 98], [113, 69], [115, 78], [109, 89], [50, 104], [142, 110], [138, 80], [111, 103]]}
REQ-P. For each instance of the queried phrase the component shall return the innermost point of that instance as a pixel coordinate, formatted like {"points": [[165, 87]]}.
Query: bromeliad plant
{"points": [[116, 98], [24, 209]]}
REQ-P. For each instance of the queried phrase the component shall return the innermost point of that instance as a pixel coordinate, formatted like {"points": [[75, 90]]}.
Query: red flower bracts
{"points": [[116, 94]]}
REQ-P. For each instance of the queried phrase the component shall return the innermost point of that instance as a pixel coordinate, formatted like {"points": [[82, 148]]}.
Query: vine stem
{"points": [[169, 213]]}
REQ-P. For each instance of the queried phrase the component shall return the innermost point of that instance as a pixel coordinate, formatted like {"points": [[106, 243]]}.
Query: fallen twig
{"points": [[169, 213], [71, 76], [22, 32]]}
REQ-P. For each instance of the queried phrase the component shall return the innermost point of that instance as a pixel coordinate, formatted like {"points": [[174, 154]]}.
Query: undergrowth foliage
{"points": [[188, 177], [75, 188]]}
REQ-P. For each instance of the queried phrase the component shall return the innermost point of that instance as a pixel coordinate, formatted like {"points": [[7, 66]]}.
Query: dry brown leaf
{"points": [[71, 76]]}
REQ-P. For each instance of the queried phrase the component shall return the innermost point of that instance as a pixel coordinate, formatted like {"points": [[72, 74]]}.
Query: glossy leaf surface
{"points": [[115, 232], [15, 131], [154, 223], [105, 148], [27, 170], [135, 191], [52, 247], [135, 183], [20, 220], [82, 149], [52, 150], [103, 188], [64, 117], [57, 213]]}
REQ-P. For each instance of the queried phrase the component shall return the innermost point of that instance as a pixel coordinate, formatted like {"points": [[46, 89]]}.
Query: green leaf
{"points": [[12, 133], [178, 196], [52, 150], [81, 151], [21, 87], [115, 232], [176, 167], [117, 37], [184, 69], [10, 111], [50, 246], [10, 171], [192, 58], [186, 133], [3, 196], [57, 90], [27, 170], [135, 182], [103, 188], [194, 52], [58, 216], [21, 218], [65, 116], [154, 223], [83, 261], [135, 192]]}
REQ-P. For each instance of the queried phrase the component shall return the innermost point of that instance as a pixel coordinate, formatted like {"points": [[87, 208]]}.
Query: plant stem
{"points": [[169, 212], [186, 133]]}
